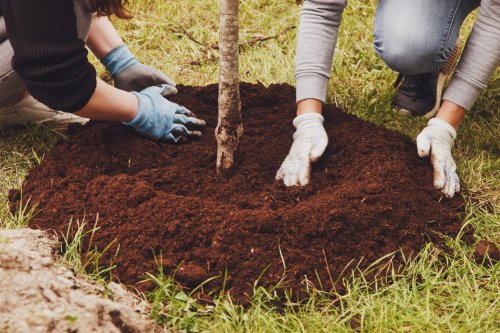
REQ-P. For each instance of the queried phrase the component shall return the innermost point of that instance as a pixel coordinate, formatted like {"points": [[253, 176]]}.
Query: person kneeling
{"points": [[44, 68]]}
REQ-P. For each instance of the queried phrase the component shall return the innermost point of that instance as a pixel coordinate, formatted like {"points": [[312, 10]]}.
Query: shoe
{"points": [[420, 95], [30, 111]]}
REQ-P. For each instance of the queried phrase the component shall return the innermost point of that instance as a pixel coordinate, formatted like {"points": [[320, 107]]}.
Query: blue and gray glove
{"points": [[130, 75], [162, 120]]}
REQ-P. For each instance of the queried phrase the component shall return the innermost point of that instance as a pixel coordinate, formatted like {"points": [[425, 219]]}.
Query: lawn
{"points": [[436, 292]]}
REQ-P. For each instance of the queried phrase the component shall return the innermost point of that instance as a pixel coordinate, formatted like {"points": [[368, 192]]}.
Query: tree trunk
{"points": [[229, 127]]}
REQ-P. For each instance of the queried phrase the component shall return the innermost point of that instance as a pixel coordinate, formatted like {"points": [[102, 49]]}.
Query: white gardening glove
{"points": [[437, 139], [309, 143]]}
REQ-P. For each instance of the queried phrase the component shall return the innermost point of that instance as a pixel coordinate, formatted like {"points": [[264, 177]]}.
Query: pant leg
{"points": [[417, 36], [12, 88]]}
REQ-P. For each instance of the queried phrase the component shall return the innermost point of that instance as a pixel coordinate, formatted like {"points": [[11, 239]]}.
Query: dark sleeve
{"points": [[48, 55]]}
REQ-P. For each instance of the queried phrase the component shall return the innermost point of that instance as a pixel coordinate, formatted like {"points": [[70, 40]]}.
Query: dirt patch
{"points": [[486, 252], [38, 295], [370, 195]]}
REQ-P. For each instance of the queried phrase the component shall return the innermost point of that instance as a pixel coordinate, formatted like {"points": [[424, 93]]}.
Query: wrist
{"points": [[443, 127], [133, 112], [135, 116], [110, 104], [452, 114], [308, 119], [118, 59], [309, 106]]}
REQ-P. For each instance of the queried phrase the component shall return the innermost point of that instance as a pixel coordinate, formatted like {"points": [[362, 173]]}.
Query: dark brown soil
{"points": [[486, 252], [370, 195]]}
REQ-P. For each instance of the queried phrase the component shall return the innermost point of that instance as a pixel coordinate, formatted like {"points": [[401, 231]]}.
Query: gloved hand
{"points": [[309, 143], [160, 119], [130, 75], [437, 139]]}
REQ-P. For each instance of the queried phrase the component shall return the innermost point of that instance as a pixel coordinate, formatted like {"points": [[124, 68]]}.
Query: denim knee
{"points": [[409, 54], [416, 36]]}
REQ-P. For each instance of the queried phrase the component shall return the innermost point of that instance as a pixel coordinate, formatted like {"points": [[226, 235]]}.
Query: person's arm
{"points": [[317, 36], [127, 72], [480, 58], [452, 113], [109, 103], [148, 112], [52, 61], [103, 37]]}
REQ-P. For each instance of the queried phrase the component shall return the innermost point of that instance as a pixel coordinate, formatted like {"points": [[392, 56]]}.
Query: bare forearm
{"points": [[309, 105], [103, 37], [109, 103], [452, 113]]}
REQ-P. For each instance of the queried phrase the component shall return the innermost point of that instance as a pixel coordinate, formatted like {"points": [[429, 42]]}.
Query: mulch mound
{"points": [[370, 195]]}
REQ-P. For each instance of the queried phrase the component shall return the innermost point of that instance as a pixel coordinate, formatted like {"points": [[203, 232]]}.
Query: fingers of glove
{"points": [[291, 177], [185, 120], [144, 73], [449, 187], [298, 172], [456, 181], [175, 139], [287, 170], [452, 182], [154, 90], [181, 130], [318, 147], [157, 76], [185, 111], [140, 77], [169, 91], [439, 165], [424, 144], [304, 171], [282, 171]]}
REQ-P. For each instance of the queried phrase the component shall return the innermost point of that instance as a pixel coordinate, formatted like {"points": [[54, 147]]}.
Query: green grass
{"points": [[19, 152], [435, 292], [79, 237]]}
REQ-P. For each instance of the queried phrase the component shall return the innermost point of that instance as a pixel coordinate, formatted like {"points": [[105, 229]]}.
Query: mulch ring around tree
{"points": [[370, 195]]}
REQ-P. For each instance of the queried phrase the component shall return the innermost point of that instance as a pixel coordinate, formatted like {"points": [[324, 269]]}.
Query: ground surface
{"points": [[437, 292], [40, 296], [371, 195]]}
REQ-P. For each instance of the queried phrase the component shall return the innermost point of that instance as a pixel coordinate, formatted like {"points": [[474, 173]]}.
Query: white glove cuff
{"points": [[444, 126], [308, 118]]}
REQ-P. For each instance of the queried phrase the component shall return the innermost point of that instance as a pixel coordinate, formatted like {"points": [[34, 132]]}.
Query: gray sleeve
{"points": [[480, 57], [317, 36]]}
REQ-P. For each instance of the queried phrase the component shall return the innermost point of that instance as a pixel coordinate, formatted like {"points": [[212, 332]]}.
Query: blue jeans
{"points": [[416, 36]]}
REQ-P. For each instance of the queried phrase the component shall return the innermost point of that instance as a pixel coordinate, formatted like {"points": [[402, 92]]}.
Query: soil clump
{"points": [[370, 195], [486, 252]]}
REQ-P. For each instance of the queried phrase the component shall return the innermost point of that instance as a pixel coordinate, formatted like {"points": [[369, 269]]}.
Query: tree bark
{"points": [[229, 128]]}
